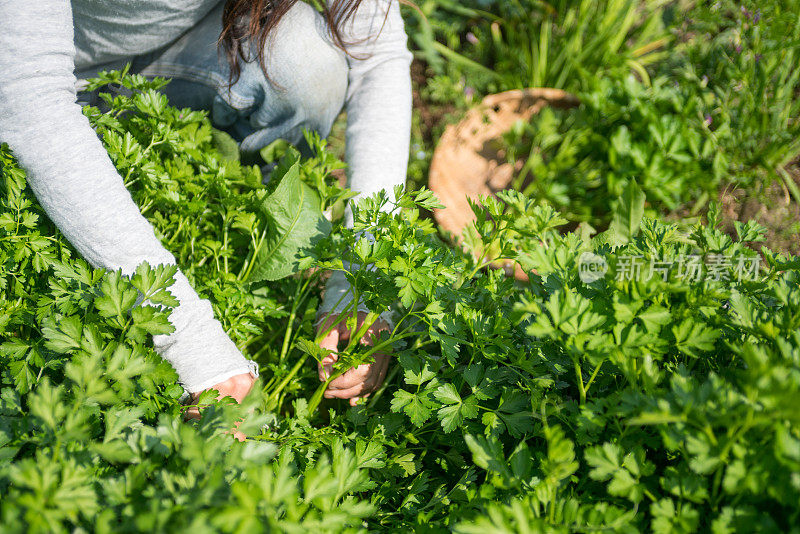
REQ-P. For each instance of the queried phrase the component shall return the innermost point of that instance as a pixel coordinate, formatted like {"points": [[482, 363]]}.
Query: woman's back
{"points": [[111, 30]]}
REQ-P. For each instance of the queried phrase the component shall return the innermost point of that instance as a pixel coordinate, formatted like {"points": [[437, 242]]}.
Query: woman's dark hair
{"points": [[252, 21]]}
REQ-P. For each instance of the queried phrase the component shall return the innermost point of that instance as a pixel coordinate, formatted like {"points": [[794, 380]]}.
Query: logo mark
{"points": [[591, 267]]}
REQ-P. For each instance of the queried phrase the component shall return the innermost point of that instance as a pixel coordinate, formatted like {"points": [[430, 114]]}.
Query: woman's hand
{"points": [[360, 381], [237, 386]]}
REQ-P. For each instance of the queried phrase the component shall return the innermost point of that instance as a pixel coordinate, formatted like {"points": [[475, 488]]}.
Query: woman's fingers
{"points": [[380, 366], [192, 413], [360, 381], [354, 400], [325, 367], [352, 387], [382, 360], [350, 393], [331, 340], [351, 377]]}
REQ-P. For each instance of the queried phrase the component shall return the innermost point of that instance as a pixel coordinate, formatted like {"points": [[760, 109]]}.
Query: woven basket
{"points": [[469, 161]]}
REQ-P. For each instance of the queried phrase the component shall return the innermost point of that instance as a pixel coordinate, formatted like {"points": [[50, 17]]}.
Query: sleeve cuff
{"points": [[199, 349], [338, 296]]}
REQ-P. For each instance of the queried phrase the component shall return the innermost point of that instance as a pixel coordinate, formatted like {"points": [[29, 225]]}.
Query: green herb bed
{"points": [[695, 101], [644, 379]]}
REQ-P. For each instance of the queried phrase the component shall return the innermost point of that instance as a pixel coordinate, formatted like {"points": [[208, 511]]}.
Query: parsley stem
{"points": [[388, 342], [579, 379], [225, 243], [251, 260], [342, 315], [396, 326], [290, 326], [594, 375], [177, 232], [386, 382], [313, 403], [288, 378]]}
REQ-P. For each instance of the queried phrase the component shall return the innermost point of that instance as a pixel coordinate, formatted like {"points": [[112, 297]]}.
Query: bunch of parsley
{"points": [[634, 400]]}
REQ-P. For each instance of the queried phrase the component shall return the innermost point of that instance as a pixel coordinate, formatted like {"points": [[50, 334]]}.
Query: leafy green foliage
{"points": [[628, 216], [693, 101], [295, 222], [660, 396], [638, 382], [745, 64], [582, 160], [511, 45], [91, 431]]}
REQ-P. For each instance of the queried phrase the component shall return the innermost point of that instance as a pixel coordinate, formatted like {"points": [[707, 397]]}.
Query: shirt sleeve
{"points": [[378, 109], [378, 100], [74, 180]]}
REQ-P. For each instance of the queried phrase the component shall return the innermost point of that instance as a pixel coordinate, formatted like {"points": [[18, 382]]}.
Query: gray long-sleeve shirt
{"points": [[41, 44]]}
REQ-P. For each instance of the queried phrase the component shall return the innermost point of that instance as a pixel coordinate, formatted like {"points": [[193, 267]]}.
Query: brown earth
{"points": [[770, 205]]}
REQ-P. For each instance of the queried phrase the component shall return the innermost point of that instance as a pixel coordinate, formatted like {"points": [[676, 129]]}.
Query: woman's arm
{"points": [[378, 109], [79, 188], [378, 101]]}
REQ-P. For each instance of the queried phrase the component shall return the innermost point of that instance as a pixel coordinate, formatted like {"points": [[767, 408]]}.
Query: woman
{"points": [[286, 67]]}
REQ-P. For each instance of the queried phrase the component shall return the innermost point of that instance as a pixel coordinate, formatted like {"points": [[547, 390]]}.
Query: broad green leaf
{"points": [[114, 451], [628, 214], [226, 145], [487, 453], [455, 410], [447, 394], [64, 336], [417, 370], [694, 338], [152, 283], [294, 224]]}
